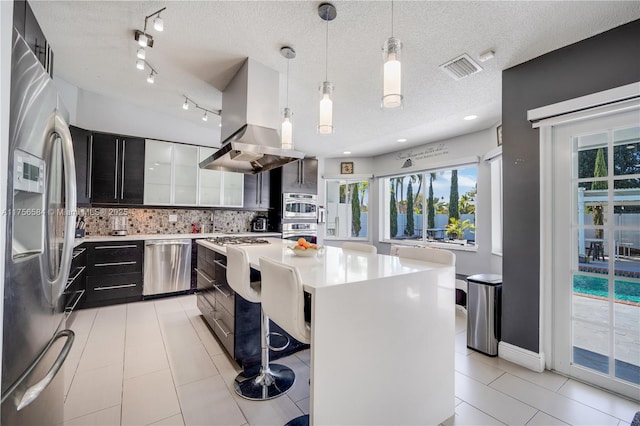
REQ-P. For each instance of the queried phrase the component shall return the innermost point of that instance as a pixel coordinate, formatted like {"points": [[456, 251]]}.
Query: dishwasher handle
{"points": [[169, 243]]}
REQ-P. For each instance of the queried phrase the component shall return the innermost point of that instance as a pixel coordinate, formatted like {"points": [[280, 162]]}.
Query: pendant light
{"points": [[286, 134], [392, 71], [327, 12]]}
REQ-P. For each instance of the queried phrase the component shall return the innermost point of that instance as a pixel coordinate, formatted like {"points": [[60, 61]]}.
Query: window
{"points": [[347, 209], [434, 205]]}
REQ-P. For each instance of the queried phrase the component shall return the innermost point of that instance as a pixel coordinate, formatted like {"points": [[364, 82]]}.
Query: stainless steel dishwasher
{"points": [[167, 266]]}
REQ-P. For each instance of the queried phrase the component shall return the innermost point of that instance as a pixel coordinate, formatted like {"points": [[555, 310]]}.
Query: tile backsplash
{"points": [[156, 221]]}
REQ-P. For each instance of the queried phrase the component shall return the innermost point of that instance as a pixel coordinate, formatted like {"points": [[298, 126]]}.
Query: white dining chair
{"points": [[366, 248], [428, 254]]}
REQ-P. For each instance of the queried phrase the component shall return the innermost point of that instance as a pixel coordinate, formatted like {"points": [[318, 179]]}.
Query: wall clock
{"points": [[346, 168]]}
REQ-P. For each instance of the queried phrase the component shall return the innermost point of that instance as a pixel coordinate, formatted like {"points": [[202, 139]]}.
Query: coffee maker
{"points": [[259, 224]]}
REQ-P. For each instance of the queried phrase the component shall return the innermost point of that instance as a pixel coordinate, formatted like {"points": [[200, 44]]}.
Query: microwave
{"points": [[299, 206]]}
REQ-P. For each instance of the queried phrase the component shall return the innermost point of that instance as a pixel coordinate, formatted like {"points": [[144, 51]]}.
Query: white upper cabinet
{"points": [[170, 173], [157, 172], [217, 188]]}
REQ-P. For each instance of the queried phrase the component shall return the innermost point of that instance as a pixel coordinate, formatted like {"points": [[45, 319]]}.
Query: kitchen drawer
{"points": [[224, 295], [76, 279], [118, 286], [125, 256], [218, 320]]}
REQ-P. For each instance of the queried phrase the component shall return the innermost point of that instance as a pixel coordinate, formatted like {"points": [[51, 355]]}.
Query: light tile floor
{"points": [[157, 363]]}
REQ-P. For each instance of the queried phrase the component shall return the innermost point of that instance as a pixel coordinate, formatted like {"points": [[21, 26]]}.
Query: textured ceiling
{"points": [[205, 42]]}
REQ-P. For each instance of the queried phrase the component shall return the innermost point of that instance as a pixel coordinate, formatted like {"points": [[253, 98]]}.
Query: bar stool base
{"points": [[275, 382], [299, 421]]}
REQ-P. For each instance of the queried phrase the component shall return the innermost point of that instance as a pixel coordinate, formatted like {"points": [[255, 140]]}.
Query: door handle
{"points": [[34, 391], [124, 147], [301, 172], [90, 168], [115, 172], [62, 129]]}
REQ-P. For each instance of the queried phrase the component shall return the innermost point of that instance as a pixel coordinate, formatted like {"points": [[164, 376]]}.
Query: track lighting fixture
{"points": [[151, 79], [205, 116], [142, 37], [141, 54], [140, 64], [286, 134], [327, 12]]}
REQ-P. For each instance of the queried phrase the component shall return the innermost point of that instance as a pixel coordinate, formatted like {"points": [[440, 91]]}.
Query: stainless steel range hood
{"points": [[250, 116]]}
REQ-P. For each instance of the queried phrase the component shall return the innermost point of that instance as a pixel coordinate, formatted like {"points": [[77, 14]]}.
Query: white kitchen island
{"points": [[382, 335]]}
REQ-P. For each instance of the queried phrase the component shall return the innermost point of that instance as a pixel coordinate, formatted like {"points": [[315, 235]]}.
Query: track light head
{"points": [[185, 105], [151, 79], [141, 54], [205, 117], [140, 64], [158, 24], [143, 39]]}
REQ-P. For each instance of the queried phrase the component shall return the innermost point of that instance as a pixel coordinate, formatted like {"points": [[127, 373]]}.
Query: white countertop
{"points": [[139, 237], [332, 266]]}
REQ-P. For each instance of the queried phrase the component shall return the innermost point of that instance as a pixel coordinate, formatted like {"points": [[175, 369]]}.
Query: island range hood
{"points": [[250, 117]]}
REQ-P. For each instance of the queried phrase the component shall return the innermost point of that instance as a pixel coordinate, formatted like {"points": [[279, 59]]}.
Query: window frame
{"points": [[384, 224], [347, 181]]}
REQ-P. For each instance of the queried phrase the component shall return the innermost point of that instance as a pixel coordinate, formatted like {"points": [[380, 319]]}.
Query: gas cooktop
{"points": [[223, 241]]}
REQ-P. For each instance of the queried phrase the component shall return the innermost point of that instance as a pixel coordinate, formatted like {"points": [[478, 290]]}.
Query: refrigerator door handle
{"points": [[35, 390], [70, 205]]}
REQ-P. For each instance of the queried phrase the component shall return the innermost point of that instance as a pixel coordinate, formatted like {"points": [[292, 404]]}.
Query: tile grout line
{"points": [[124, 352], [166, 354]]}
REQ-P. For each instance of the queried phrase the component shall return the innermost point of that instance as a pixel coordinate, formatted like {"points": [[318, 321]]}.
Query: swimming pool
{"points": [[624, 291]]}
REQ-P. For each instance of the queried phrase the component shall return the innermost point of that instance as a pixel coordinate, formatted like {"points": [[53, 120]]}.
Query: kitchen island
{"points": [[382, 334]]}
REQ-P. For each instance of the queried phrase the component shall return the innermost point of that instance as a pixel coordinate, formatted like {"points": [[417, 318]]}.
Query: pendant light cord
{"points": [[326, 59], [391, 18], [288, 60]]}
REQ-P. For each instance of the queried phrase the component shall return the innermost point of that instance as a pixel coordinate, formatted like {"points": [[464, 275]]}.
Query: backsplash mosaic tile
{"points": [[98, 220]]}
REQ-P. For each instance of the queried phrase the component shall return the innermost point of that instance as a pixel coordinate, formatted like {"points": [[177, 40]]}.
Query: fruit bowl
{"points": [[309, 252]]}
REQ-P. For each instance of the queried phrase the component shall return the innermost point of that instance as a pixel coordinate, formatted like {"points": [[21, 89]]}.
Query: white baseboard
{"points": [[523, 357]]}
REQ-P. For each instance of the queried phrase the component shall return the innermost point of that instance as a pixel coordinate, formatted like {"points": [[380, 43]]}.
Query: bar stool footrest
{"points": [[278, 348]]}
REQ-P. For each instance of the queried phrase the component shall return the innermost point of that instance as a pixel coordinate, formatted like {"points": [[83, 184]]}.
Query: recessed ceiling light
{"points": [[471, 117], [402, 140], [347, 152]]}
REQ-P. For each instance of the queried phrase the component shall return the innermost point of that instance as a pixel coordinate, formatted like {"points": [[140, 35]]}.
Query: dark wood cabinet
{"points": [[114, 272], [25, 22], [117, 171], [300, 176], [256, 191], [75, 289], [82, 156]]}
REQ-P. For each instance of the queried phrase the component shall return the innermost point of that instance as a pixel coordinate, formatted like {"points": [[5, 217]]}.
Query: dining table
{"points": [[382, 334]]}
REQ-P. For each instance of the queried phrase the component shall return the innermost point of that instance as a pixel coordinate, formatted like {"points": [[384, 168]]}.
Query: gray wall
{"points": [[602, 62]]}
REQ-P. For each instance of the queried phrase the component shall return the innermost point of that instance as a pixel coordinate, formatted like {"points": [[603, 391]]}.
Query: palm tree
{"points": [[431, 204], [599, 170], [453, 196], [355, 210], [393, 215], [410, 227]]}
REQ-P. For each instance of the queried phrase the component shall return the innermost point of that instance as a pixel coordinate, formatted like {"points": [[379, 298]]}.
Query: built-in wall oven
{"points": [[294, 230], [300, 206]]}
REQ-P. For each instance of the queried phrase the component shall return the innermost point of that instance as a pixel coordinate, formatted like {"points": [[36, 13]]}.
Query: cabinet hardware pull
{"points": [[115, 173], [124, 147], [77, 296], [217, 287], [205, 276], [220, 264], [116, 263], [116, 247], [225, 332], [78, 252], [90, 168], [71, 280], [301, 172], [114, 287]]}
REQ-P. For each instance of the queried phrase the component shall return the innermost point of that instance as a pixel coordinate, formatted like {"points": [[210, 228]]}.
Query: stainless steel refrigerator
{"points": [[41, 200]]}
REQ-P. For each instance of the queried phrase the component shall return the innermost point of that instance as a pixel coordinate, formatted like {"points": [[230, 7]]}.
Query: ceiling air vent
{"points": [[461, 67]]}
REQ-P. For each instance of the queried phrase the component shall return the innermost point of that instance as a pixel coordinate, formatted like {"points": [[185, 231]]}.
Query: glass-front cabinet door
{"points": [[157, 172], [233, 189], [210, 182], [185, 174]]}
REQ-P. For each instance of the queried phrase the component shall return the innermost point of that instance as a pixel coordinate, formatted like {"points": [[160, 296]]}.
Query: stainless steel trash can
{"points": [[484, 300]]}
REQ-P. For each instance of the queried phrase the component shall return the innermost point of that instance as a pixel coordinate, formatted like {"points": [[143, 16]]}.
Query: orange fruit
{"points": [[314, 246], [306, 244], [301, 241], [301, 247]]}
